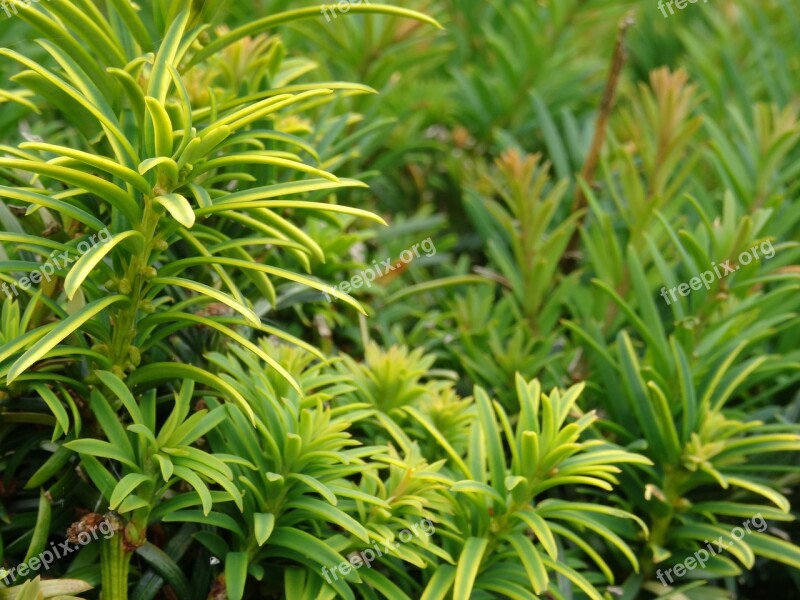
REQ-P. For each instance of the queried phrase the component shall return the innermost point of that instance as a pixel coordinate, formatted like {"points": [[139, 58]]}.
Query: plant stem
{"points": [[125, 325], [115, 563], [619, 57], [661, 523]]}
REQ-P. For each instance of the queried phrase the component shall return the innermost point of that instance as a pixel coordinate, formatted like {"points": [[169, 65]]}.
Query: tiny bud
{"points": [[160, 245], [135, 355], [149, 272], [112, 285], [124, 286]]}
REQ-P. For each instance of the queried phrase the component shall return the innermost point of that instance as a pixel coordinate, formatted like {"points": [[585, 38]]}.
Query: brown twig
{"points": [[618, 60]]}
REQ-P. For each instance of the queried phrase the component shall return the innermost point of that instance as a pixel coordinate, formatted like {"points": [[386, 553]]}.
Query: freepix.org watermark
{"points": [[679, 4], [57, 260], [75, 539], [10, 6], [706, 278], [700, 557], [343, 7], [366, 556], [370, 274]]}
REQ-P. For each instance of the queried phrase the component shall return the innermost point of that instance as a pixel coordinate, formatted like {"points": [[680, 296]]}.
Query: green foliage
{"points": [[536, 409]]}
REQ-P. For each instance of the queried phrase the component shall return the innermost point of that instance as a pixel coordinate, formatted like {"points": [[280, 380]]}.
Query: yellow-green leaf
{"points": [[179, 207], [63, 330], [86, 263]]}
